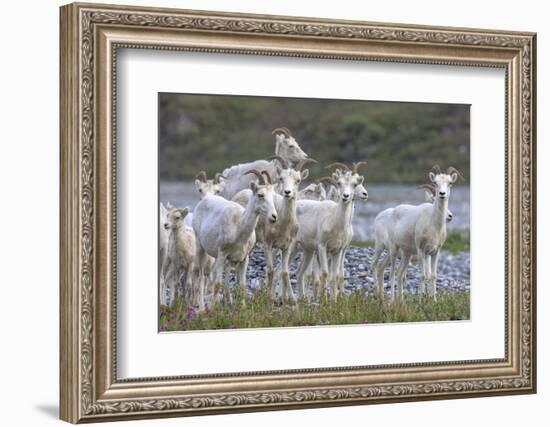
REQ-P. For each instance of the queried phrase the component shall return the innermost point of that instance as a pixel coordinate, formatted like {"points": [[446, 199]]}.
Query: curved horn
{"points": [[452, 169], [284, 131], [436, 169], [356, 166], [201, 176], [258, 174], [267, 176], [282, 161], [338, 165], [301, 163], [428, 187], [217, 177], [326, 179]]}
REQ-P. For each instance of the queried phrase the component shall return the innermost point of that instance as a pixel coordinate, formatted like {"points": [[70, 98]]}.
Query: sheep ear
{"points": [[304, 174], [197, 184], [454, 177], [361, 179], [432, 176], [254, 187], [184, 212]]}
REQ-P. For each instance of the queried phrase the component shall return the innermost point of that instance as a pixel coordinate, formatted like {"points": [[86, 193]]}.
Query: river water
{"points": [[381, 196]]}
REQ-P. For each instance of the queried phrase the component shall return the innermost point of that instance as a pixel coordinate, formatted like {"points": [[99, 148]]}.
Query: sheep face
{"points": [[346, 184], [289, 181], [314, 191], [175, 218], [430, 198], [263, 200], [210, 187], [443, 183], [359, 192], [288, 148]]}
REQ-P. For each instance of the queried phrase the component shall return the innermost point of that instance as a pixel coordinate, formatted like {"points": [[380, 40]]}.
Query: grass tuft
{"points": [[261, 312], [457, 241]]}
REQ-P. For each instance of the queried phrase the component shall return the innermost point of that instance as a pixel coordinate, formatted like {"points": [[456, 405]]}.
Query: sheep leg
{"points": [[323, 265], [278, 270], [423, 273], [163, 285], [268, 255], [286, 289], [241, 280], [318, 293], [218, 276], [306, 262], [379, 269], [375, 259], [402, 274], [226, 278], [340, 269], [167, 274], [190, 284], [433, 275], [393, 267]]}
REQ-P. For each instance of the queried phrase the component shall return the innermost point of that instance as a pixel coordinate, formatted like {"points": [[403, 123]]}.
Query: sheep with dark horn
{"points": [[286, 148]]}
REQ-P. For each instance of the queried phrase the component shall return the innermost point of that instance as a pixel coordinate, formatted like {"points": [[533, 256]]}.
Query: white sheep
{"points": [[341, 168], [286, 147], [407, 230], [361, 194], [163, 248], [430, 198], [206, 187], [226, 231], [314, 191], [180, 254], [325, 230], [281, 235]]}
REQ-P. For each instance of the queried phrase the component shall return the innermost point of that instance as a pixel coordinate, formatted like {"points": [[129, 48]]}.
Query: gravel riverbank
{"points": [[453, 271]]}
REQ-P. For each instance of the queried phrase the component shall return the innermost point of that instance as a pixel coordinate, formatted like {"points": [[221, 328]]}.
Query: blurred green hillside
{"points": [[400, 141]]}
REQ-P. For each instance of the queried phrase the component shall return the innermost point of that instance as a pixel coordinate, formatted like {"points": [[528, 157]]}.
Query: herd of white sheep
{"points": [[260, 203]]}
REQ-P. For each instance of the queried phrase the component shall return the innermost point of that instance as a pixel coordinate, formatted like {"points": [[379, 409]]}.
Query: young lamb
{"points": [[286, 147], [225, 231], [180, 254], [407, 230], [325, 230]]}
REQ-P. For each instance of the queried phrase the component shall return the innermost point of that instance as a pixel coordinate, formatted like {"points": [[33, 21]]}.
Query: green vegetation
{"points": [[401, 141], [261, 312], [457, 241]]}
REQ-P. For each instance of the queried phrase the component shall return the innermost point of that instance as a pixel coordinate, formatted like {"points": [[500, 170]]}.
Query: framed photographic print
{"points": [[265, 212]]}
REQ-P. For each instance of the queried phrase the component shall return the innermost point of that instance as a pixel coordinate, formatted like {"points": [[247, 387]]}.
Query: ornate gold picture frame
{"points": [[90, 37]]}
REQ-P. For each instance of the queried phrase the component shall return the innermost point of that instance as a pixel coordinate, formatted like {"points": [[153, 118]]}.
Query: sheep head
{"points": [[263, 195], [443, 181], [287, 147], [314, 191], [175, 218], [209, 187]]}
